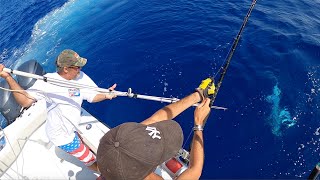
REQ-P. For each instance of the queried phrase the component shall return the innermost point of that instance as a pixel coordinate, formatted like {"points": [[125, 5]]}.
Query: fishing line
{"points": [[225, 59], [185, 142]]}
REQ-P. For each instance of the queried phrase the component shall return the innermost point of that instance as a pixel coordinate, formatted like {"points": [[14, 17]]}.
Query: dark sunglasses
{"points": [[75, 67]]}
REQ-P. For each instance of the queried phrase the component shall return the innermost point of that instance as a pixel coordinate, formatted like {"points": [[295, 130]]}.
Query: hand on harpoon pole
{"points": [[66, 83]]}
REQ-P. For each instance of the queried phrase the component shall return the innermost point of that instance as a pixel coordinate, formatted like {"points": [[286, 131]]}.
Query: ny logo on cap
{"points": [[153, 132]]}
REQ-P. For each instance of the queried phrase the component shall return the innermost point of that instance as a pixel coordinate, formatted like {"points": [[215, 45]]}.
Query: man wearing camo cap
{"points": [[63, 104]]}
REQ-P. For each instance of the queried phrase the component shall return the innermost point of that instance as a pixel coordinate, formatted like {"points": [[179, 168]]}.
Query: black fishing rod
{"points": [[224, 68]]}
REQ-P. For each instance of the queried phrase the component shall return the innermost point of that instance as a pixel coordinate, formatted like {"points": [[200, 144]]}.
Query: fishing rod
{"points": [[224, 68], [66, 83]]}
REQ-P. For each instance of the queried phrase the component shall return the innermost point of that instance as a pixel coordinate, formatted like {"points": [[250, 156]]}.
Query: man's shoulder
{"points": [[40, 84], [83, 74], [52, 75], [83, 77]]}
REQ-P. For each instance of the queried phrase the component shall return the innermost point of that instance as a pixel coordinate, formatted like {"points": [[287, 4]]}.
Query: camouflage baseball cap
{"points": [[69, 58]]}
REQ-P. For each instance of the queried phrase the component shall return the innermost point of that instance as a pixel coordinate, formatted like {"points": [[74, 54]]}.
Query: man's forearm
{"points": [[196, 158], [172, 110], [197, 151], [102, 97], [21, 96], [99, 97]]}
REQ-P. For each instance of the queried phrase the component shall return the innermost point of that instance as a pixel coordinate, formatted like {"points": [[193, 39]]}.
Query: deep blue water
{"points": [[165, 48]]}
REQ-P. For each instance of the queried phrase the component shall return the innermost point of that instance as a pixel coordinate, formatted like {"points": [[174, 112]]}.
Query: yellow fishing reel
{"points": [[207, 88]]}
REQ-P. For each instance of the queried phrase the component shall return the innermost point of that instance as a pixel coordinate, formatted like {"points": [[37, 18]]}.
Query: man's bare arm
{"points": [[172, 110], [21, 96]]}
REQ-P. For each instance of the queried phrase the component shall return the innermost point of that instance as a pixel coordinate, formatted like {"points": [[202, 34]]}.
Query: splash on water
{"points": [[280, 117]]}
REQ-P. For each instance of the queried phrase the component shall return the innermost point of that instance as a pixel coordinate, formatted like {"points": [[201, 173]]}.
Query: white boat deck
{"points": [[28, 154]]}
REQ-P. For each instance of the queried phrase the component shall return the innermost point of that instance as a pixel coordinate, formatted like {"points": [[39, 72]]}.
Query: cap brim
{"points": [[81, 62]]}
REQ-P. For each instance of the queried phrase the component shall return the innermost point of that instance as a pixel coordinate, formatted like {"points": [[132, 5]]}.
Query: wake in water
{"points": [[280, 117]]}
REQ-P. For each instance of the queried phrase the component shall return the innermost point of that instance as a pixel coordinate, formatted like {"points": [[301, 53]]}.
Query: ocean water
{"points": [[165, 48]]}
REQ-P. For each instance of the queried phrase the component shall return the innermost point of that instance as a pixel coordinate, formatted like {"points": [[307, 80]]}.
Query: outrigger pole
{"points": [[66, 83], [224, 68]]}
